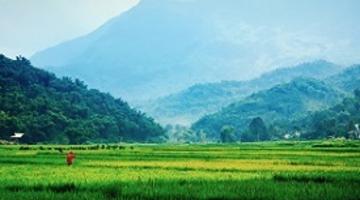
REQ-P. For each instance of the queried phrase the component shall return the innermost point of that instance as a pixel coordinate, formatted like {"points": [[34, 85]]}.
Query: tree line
{"points": [[61, 110]]}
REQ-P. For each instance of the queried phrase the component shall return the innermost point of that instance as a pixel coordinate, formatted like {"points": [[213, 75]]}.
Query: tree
{"points": [[258, 129], [247, 136], [49, 109], [357, 93], [227, 134]]}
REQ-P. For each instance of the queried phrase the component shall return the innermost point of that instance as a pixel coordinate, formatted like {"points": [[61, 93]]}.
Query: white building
{"points": [[17, 136]]}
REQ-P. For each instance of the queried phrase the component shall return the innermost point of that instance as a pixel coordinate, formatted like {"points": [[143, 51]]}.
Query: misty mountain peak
{"points": [[163, 46]]}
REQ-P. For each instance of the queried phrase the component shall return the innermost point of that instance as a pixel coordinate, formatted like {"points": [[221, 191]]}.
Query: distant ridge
{"points": [[161, 47], [189, 105], [280, 103]]}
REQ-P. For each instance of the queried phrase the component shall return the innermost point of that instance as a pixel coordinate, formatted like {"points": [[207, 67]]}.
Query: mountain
{"points": [[189, 105], [341, 120], [160, 47], [282, 102], [145, 52], [52, 110], [348, 80]]}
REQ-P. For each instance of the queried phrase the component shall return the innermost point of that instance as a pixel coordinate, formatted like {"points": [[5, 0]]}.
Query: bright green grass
{"points": [[273, 170]]}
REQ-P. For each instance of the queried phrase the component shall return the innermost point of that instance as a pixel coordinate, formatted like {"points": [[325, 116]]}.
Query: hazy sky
{"points": [[27, 26]]}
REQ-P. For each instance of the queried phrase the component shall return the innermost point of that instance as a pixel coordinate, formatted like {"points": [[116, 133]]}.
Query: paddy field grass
{"points": [[271, 170]]}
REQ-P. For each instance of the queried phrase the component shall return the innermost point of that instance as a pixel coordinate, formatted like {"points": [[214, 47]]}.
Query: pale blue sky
{"points": [[28, 26]]}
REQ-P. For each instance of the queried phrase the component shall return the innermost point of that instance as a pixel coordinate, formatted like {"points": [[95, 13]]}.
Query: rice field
{"points": [[272, 170]]}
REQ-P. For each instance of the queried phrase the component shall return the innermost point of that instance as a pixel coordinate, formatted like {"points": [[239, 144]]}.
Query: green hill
{"points": [[52, 110], [348, 80], [191, 104], [341, 120], [282, 102]]}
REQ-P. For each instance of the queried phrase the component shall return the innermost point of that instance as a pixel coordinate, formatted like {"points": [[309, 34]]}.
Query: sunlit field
{"points": [[274, 170]]}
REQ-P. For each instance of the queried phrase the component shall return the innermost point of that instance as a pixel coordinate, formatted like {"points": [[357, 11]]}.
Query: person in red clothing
{"points": [[70, 158]]}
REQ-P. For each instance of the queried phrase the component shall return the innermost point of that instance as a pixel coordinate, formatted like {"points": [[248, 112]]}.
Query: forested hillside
{"points": [[342, 120], [191, 104], [280, 103], [53, 110], [348, 80]]}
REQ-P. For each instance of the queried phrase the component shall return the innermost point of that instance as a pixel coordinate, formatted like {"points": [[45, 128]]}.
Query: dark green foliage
{"points": [[227, 134], [49, 109], [357, 93], [276, 106], [57, 188], [257, 131], [338, 121], [112, 191]]}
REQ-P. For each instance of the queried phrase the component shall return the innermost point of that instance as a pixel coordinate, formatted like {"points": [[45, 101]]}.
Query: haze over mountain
{"points": [[163, 46], [348, 80], [189, 105]]}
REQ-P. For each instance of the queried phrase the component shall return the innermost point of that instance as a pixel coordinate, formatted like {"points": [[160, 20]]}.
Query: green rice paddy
{"points": [[272, 170]]}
